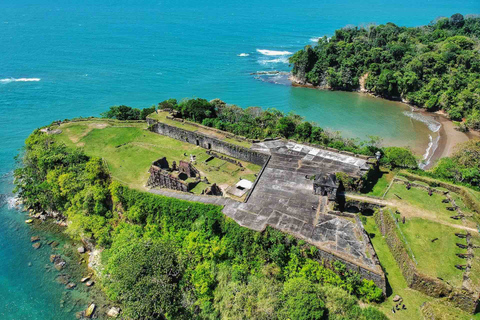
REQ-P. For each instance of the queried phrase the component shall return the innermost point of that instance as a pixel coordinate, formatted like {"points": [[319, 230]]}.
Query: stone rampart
{"points": [[463, 299], [327, 259], [209, 143]]}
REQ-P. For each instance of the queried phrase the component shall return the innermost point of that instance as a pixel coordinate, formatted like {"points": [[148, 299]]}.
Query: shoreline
{"points": [[449, 137]]}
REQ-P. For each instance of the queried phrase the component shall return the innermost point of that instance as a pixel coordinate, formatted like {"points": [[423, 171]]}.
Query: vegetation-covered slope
{"points": [[166, 258], [435, 66]]}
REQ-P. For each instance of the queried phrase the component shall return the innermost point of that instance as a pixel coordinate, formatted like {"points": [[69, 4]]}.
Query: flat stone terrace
{"points": [[283, 199]]}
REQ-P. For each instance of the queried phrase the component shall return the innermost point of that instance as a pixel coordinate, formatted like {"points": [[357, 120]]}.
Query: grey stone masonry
{"points": [[283, 197]]}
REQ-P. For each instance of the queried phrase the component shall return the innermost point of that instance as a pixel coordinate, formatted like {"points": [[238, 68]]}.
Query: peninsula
{"points": [[203, 209]]}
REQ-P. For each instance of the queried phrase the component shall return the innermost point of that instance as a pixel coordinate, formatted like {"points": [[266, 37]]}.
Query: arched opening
{"points": [[209, 146], [367, 212], [352, 209], [198, 142]]}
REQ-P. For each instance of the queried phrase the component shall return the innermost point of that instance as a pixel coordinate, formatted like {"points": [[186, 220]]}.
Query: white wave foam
{"points": [[243, 55], [315, 39], [8, 80], [427, 156], [273, 52], [433, 125], [11, 202], [278, 60]]}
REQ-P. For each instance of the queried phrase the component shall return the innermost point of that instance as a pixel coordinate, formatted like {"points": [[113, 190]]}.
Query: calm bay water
{"points": [[83, 57]]}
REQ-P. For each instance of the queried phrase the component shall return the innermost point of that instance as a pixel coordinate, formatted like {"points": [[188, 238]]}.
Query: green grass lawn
{"points": [[129, 151], [382, 184], [431, 205], [437, 258], [412, 299]]}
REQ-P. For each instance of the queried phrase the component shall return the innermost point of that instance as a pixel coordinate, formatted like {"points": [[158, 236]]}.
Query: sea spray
{"points": [[8, 80], [273, 52]]}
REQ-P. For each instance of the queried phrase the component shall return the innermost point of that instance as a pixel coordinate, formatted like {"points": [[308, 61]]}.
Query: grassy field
{"points": [[397, 284], [442, 311], [430, 206], [129, 149], [419, 234], [382, 184], [162, 117]]}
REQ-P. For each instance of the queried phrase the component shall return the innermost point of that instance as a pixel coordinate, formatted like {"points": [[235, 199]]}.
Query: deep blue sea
{"points": [[63, 59]]}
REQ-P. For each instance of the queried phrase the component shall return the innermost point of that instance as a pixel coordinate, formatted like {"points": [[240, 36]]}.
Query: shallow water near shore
{"points": [[67, 59]]}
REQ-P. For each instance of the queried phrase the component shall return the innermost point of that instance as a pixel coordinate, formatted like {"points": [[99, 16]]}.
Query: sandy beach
{"points": [[449, 138]]}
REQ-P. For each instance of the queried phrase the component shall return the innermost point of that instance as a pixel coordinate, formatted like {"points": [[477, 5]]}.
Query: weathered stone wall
{"points": [[327, 259], [163, 179], [463, 299], [208, 142]]}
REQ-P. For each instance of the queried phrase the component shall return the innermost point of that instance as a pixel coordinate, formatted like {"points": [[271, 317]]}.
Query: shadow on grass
{"points": [[372, 178]]}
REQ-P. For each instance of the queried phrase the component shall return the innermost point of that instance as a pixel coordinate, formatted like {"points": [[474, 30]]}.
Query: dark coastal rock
{"points": [[37, 245], [34, 238], [70, 285]]}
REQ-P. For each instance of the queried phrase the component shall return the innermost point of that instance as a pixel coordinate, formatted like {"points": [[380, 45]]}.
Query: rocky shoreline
{"points": [[75, 263]]}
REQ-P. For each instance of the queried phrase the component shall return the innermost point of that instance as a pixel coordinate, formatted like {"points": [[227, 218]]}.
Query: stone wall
{"points": [[163, 179], [463, 299], [327, 259], [208, 142]]}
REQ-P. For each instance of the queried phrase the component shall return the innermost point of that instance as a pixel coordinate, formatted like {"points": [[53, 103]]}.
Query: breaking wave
{"points": [[8, 80], [315, 39], [243, 55], [273, 53], [278, 60], [432, 147], [433, 125]]}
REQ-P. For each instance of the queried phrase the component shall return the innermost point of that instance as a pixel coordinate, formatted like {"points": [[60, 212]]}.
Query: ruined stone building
{"points": [[326, 185]]}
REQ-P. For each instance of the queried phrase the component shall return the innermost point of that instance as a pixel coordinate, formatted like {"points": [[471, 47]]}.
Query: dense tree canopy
{"points": [[435, 66], [463, 165]]}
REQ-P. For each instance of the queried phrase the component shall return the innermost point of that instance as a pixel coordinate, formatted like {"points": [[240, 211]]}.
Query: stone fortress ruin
{"points": [[294, 192], [183, 177]]}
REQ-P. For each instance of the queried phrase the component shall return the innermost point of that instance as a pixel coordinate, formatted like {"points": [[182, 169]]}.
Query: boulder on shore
{"points": [[81, 249], [397, 298], [113, 312], [90, 310], [70, 285], [89, 283], [34, 239], [37, 245], [85, 279]]}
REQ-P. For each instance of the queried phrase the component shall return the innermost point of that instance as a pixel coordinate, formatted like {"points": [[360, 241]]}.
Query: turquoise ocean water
{"points": [[62, 59]]}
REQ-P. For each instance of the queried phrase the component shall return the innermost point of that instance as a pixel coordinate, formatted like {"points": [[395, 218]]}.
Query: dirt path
{"points": [[409, 211]]}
